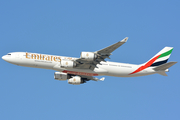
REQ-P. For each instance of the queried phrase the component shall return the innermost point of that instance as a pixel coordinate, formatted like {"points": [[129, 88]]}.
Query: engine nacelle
{"points": [[67, 63], [61, 76], [76, 80], [89, 56]]}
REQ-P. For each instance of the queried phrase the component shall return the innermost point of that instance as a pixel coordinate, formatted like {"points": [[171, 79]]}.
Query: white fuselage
{"points": [[53, 62]]}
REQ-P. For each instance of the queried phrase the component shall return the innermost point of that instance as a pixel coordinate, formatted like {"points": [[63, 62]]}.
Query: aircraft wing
{"points": [[101, 56], [108, 50], [87, 78]]}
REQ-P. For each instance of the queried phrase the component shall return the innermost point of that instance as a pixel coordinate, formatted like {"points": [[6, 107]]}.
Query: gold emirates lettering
{"points": [[43, 57]]}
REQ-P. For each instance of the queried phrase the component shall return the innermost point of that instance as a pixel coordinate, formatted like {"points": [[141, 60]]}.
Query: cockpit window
{"points": [[8, 54]]}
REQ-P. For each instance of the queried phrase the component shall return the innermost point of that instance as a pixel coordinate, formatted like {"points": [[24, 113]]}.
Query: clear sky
{"points": [[68, 27]]}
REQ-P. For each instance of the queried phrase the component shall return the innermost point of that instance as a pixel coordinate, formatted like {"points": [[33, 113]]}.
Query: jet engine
{"points": [[89, 56], [76, 80], [61, 76], [67, 63]]}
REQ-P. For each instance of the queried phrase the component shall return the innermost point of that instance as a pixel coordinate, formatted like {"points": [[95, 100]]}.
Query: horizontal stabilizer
{"points": [[162, 73], [165, 66]]}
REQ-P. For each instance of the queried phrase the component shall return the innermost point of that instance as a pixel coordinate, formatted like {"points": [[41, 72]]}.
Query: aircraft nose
{"points": [[3, 57], [7, 58]]}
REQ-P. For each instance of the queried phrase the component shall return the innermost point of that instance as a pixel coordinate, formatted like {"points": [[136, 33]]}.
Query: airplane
{"points": [[80, 70]]}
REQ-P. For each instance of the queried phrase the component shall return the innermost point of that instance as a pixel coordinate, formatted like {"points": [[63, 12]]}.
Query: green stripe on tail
{"points": [[166, 53]]}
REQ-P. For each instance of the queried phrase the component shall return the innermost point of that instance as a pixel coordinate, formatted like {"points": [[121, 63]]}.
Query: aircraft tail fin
{"points": [[160, 58], [158, 62]]}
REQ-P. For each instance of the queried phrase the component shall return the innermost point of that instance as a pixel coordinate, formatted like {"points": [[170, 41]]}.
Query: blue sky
{"points": [[68, 27]]}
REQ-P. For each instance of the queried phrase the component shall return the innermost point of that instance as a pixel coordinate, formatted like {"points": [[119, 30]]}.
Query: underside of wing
{"points": [[87, 78]]}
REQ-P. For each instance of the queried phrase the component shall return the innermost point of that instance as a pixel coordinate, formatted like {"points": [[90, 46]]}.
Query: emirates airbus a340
{"points": [[79, 70]]}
